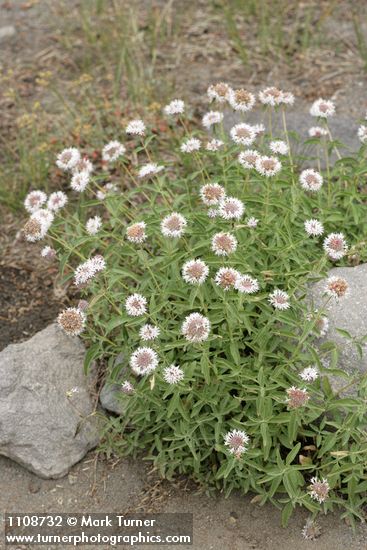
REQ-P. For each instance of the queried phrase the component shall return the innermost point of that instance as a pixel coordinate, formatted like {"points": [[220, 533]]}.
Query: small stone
{"points": [[111, 397], [7, 32], [34, 486], [72, 479], [232, 520]]}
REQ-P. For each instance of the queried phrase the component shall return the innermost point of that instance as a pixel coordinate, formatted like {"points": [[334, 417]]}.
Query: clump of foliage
{"points": [[195, 268]]}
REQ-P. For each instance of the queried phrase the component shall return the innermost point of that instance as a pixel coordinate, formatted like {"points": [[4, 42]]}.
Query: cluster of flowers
{"points": [[195, 327]]}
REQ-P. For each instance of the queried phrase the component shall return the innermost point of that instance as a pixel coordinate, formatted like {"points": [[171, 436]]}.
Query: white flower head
{"points": [[136, 128], [88, 269], [246, 284], [311, 180], [268, 166], [175, 107], [48, 252], [335, 246], [362, 133], [83, 165], [144, 361], [243, 134], [98, 263], [226, 278], [219, 92], [136, 305], [72, 321], [149, 332], [93, 225], [173, 225], [309, 374], [274, 97], [214, 145], [196, 328], [34, 230], [231, 208], [336, 287], [173, 374], [84, 273], [34, 201], [279, 147], [150, 169], [57, 200], [252, 222], [211, 118], [314, 228], [135, 233], [191, 145], [237, 442], [321, 326], [317, 131], [212, 194], [79, 181], [248, 158], [127, 387], [43, 215], [68, 158], [195, 272], [241, 100], [279, 299], [322, 108], [37, 226], [224, 244], [319, 489], [213, 213], [112, 151]]}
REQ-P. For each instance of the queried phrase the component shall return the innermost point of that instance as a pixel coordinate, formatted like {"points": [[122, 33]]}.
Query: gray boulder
{"points": [[46, 420], [342, 128], [349, 314]]}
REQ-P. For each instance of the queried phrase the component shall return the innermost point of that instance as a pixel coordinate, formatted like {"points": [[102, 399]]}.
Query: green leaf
{"points": [[92, 353], [286, 513]]}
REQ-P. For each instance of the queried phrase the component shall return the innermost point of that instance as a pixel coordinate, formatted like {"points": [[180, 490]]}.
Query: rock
{"points": [[342, 128], [350, 314], [7, 32], [45, 403], [112, 399]]}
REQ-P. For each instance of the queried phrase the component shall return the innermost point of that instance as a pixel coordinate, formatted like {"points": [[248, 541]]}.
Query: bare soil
{"points": [[127, 486]]}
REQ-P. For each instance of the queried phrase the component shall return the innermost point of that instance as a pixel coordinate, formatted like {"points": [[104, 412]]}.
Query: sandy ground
{"points": [[127, 486]]}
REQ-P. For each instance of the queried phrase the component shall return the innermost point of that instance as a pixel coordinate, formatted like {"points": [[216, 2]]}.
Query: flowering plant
{"points": [[195, 271]]}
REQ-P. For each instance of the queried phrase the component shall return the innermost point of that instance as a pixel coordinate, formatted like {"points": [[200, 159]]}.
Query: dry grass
{"points": [[101, 61]]}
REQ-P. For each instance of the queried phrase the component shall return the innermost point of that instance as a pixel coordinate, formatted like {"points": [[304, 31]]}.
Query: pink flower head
{"points": [[297, 397]]}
